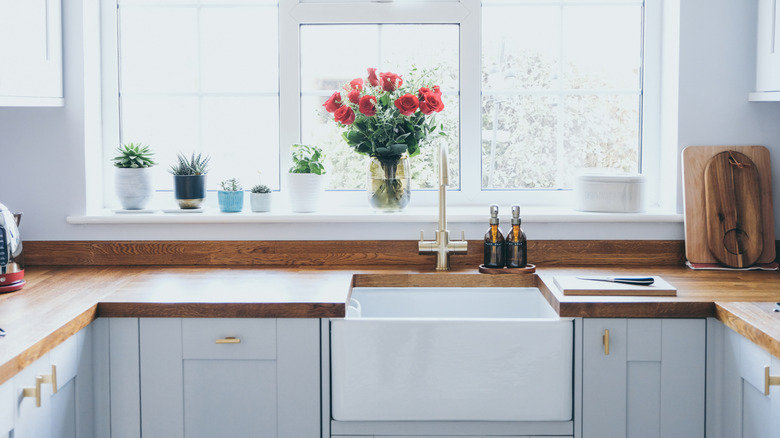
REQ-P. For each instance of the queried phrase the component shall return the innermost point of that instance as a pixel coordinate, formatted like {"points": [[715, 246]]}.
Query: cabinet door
{"points": [[31, 50], [643, 378], [768, 46], [747, 411], [33, 421], [229, 377], [6, 408]]}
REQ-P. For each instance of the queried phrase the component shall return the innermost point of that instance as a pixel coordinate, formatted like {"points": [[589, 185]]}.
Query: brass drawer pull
{"points": [[51, 379], [769, 380], [229, 340], [605, 340], [35, 391]]}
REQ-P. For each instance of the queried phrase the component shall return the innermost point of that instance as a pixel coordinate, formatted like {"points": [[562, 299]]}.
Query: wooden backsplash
{"points": [[340, 253]]}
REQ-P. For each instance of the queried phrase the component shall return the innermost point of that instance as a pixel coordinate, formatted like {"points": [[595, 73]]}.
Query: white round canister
{"points": [[613, 193]]}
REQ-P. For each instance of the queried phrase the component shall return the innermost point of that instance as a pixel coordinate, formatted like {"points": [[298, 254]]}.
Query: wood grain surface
{"points": [[59, 301], [694, 160], [756, 321], [733, 209], [339, 253]]}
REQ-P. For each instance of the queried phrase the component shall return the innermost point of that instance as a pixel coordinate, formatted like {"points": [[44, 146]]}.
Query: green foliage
{"points": [[195, 165], [231, 185], [261, 188], [307, 159], [133, 155]]}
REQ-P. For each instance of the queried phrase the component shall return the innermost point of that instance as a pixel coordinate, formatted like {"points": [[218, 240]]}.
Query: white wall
{"points": [[42, 152]]}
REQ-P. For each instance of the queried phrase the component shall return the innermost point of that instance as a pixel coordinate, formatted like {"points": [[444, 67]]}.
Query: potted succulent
{"points": [[260, 198], [133, 180], [306, 178], [189, 179], [231, 197]]}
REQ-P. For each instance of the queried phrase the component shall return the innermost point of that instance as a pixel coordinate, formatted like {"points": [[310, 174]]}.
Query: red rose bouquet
{"points": [[383, 116], [387, 119]]}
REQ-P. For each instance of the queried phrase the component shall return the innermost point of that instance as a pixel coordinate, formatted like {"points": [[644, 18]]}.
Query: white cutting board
{"points": [[571, 285]]}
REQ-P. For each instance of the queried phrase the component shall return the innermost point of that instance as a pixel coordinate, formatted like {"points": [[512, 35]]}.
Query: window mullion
{"points": [[289, 85], [470, 103]]}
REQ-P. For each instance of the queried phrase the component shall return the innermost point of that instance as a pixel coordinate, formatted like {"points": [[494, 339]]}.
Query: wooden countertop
{"points": [[59, 301]]}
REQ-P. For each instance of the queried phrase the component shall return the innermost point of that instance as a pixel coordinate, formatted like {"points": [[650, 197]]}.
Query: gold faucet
{"points": [[442, 246]]}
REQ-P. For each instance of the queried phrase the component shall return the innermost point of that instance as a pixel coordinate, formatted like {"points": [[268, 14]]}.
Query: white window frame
{"points": [[467, 15]]}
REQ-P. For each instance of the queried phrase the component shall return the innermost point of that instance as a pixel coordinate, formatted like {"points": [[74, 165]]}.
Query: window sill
{"points": [[356, 215]]}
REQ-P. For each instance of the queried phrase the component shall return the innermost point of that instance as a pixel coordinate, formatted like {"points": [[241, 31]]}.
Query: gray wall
{"points": [[43, 154]]}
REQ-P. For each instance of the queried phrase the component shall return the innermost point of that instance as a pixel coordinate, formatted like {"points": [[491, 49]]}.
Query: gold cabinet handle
{"points": [[229, 340], [605, 340], [34, 392], [769, 380], [51, 379]]}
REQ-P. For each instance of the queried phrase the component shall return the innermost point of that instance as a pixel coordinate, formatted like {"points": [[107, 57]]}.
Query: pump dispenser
{"points": [[516, 249], [494, 242]]}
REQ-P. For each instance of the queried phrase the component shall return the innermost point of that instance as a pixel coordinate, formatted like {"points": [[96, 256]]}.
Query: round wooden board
{"points": [[529, 269]]}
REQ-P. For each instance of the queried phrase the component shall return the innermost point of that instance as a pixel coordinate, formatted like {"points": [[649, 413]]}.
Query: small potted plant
{"points": [[260, 198], [133, 180], [306, 178], [189, 178], [231, 197]]}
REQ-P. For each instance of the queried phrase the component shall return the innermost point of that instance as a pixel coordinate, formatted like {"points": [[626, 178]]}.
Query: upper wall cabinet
{"points": [[31, 53], [768, 52]]}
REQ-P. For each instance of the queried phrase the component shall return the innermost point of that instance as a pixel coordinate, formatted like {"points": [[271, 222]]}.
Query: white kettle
{"points": [[11, 255]]}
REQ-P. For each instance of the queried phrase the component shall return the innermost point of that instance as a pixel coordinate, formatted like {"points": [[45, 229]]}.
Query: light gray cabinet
{"points": [[31, 53], [216, 377], [741, 408], [52, 396], [643, 378]]}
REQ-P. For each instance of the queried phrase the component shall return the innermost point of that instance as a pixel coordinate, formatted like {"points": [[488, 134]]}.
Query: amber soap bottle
{"points": [[516, 249], [494, 242]]}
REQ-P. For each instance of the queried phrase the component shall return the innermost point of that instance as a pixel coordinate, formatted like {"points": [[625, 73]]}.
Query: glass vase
{"points": [[389, 183]]}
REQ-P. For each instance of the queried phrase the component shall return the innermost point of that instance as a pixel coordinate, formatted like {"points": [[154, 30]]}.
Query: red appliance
{"points": [[11, 255]]}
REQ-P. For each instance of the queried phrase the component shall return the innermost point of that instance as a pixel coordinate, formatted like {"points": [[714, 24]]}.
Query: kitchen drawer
{"points": [[207, 338], [65, 358], [6, 407], [752, 360]]}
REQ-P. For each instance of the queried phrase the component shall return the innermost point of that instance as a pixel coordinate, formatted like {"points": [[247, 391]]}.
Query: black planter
{"points": [[189, 190]]}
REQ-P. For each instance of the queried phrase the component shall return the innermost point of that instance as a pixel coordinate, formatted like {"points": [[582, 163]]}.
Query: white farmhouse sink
{"points": [[430, 354]]}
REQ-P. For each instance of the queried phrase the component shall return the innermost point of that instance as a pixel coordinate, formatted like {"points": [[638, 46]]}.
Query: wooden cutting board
{"points": [[733, 209], [695, 160], [571, 285]]}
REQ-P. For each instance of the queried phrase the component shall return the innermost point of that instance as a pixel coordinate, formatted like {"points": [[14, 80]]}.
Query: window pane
{"points": [[602, 47], [519, 142], [203, 77], [393, 48], [159, 50], [561, 91], [236, 56]]}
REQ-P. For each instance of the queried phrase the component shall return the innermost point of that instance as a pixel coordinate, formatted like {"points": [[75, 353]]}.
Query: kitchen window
{"points": [[534, 89]]}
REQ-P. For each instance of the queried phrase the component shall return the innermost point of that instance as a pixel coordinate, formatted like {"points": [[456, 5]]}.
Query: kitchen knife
{"points": [[640, 281]]}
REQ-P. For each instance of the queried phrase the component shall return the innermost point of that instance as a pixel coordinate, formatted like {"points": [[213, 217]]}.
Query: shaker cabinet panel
{"points": [[744, 410], [768, 47], [31, 50], [229, 377], [643, 377]]}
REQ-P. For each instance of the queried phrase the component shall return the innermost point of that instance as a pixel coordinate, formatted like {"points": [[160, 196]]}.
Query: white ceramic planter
{"points": [[134, 187], [261, 202], [306, 191]]}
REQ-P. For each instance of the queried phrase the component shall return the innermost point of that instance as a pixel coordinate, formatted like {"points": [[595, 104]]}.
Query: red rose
{"points": [[344, 115], [407, 104], [356, 84], [422, 92], [333, 103], [368, 105], [437, 90], [354, 96], [431, 103], [390, 81], [372, 79]]}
